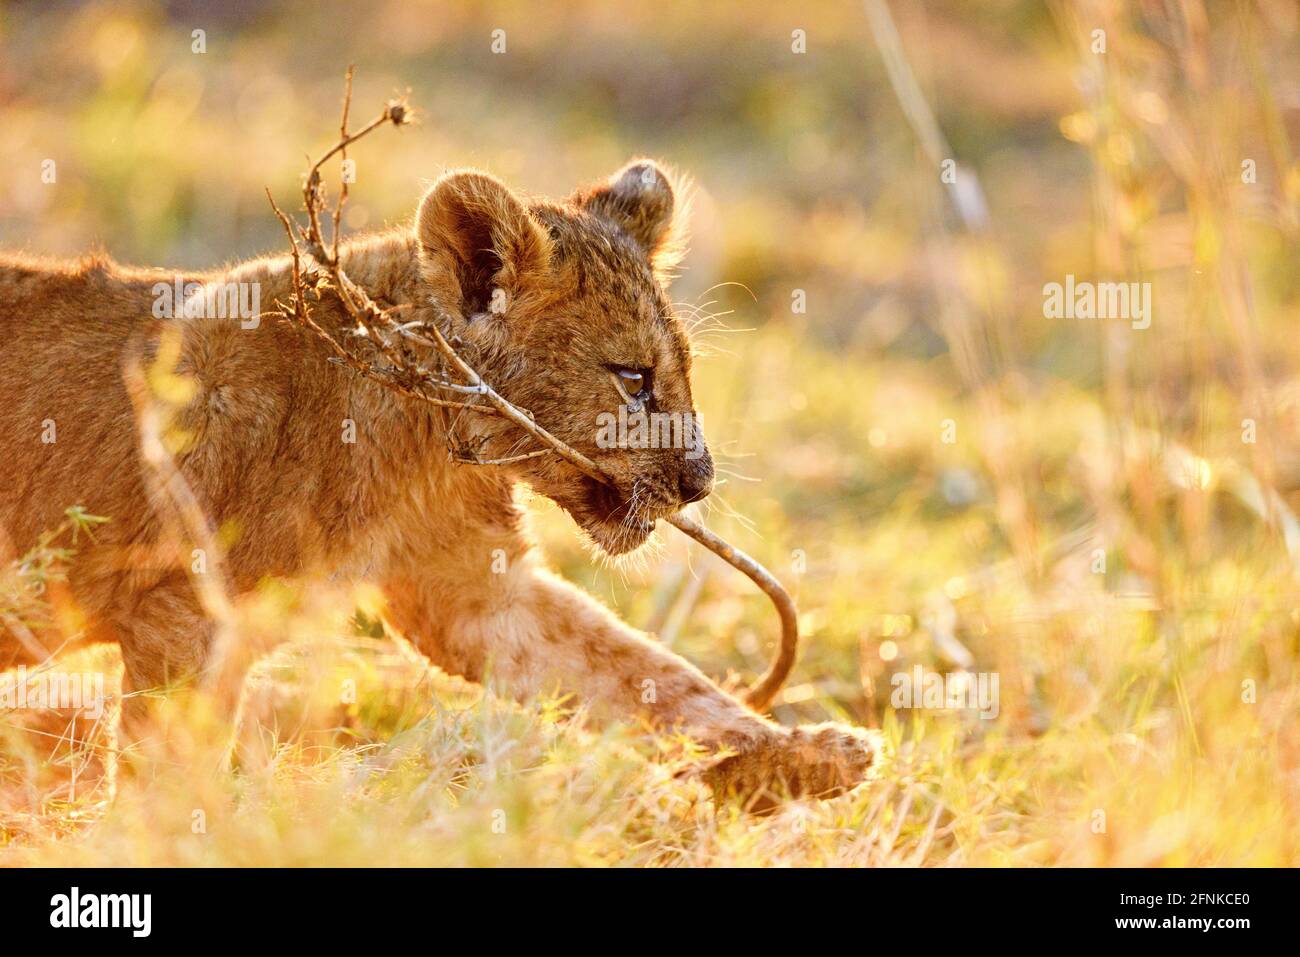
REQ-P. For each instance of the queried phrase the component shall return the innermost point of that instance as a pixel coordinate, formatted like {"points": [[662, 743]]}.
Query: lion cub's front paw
{"points": [[820, 760]]}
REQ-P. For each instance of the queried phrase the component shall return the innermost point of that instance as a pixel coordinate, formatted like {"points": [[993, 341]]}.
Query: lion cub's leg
{"points": [[536, 634], [175, 711], [532, 632]]}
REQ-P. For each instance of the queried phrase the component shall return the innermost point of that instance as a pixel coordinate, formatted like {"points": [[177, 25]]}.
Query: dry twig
{"points": [[317, 269]]}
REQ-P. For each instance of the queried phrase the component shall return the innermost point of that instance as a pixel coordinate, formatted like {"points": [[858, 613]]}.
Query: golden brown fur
{"points": [[544, 298]]}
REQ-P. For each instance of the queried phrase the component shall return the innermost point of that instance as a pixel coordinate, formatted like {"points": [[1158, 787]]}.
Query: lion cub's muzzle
{"points": [[695, 479]]}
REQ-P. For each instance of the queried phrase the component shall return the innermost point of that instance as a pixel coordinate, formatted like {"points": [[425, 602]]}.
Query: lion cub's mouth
{"points": [[617, 522]]}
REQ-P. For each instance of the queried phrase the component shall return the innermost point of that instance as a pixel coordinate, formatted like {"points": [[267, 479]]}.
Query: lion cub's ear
{"points": [[643, 201], [476, 236]]}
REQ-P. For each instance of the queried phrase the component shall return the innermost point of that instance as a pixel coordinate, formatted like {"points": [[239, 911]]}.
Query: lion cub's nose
{"points": [[695, 480]]}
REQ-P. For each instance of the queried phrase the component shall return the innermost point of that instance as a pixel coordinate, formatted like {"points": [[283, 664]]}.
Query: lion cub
{"points": [[560, 305]]}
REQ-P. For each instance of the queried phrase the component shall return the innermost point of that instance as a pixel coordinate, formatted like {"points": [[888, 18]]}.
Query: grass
{"points": [[1099, 532], [1110, 705]]}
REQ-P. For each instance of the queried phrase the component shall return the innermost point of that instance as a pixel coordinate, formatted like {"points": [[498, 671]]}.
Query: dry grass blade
{"points": [[185, 513]]}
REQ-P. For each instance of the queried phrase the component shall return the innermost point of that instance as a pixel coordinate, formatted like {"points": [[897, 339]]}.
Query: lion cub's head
{"points": [[562, 308]]}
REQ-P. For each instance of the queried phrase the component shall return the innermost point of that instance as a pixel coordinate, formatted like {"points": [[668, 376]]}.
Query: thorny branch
{"points": [[317, 269]]}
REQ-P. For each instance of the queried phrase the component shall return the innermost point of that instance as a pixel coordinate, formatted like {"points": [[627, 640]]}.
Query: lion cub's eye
{"points": [[634, 382]]}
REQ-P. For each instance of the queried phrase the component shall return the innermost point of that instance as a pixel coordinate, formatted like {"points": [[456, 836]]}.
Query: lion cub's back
{"points": [[65, 418]]}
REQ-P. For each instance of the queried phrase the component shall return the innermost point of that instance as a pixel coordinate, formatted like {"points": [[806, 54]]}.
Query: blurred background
{"points": [[1103, 516]]}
